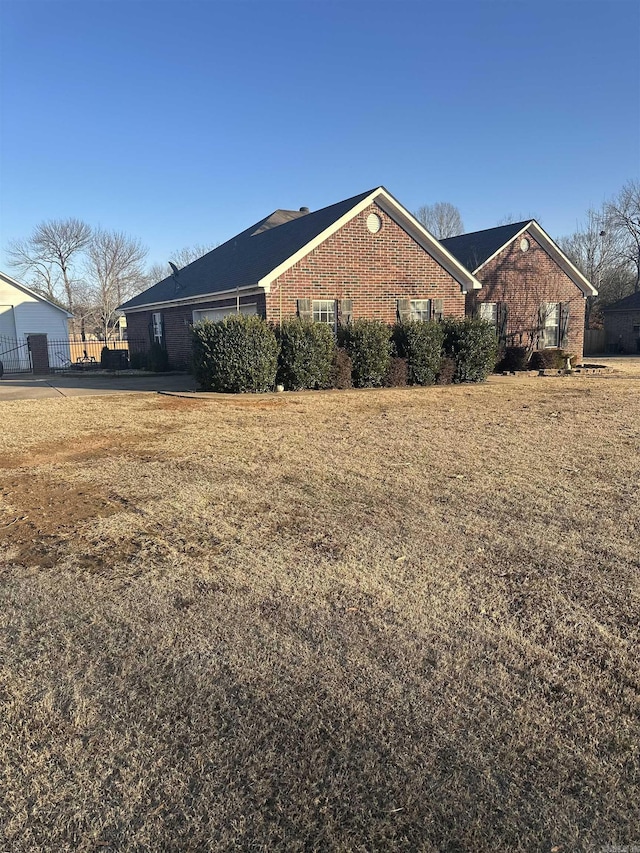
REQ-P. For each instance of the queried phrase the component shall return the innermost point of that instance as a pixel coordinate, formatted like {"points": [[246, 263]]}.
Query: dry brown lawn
{"points": [[353, 621]]}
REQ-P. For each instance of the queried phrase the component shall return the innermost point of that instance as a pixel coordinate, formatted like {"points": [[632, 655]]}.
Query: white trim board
{"points": [[32, 293], [554, 251], [401, 217]]}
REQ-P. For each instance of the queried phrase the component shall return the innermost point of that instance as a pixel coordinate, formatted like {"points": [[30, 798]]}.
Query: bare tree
{"points": [[115, 274], [623, 215], [49, 255], [181, 258], [442, 219], [596, 249], [510, 218]]}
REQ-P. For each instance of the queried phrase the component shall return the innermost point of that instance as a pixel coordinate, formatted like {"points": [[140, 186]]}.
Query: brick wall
{"points": [[524, 280], [374, 270], [620, 336], [177, 320]]}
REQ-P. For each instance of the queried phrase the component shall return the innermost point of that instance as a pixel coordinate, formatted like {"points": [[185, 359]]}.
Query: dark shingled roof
{"points": [[473, 249], [248, 257], [629, 303]]}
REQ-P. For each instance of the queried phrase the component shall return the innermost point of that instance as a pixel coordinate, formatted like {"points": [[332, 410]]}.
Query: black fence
{"points": [[41, 354], [15, 355], [70, 356]]}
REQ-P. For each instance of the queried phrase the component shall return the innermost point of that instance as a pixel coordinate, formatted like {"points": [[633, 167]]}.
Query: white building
{"points": [[24, 312]]}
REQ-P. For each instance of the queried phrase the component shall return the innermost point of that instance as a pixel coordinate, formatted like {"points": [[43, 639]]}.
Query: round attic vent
{"points": [[524, 244], [374, 223]]}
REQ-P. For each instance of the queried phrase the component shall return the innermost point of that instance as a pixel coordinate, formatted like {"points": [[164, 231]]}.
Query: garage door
{"points": [[215, 314]]}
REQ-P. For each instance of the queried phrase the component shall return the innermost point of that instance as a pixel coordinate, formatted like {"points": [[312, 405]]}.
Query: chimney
{"points": [[304, 210]]}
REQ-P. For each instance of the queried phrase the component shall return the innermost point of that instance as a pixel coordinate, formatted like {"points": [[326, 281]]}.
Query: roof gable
{"points": [[475, 248], [480, 247], [23, 287], [258, 255]]}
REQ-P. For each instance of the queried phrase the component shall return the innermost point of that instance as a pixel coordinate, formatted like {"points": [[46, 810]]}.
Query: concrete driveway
{"points": [[27, 387]]}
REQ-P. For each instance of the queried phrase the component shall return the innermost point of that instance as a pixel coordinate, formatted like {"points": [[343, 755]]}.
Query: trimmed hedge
{"points": [[474, 346], [550, 359], [513, 358], [306, 354], [236, 354], [421, 344], [157, 358], [369, 345]]}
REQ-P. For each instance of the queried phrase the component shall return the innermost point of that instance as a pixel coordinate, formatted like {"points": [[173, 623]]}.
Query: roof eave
{"points": [[406, 220], [244, 290]]}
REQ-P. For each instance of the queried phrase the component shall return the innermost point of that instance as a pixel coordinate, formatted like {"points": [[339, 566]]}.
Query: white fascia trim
{"points": [[247, 290], [501, 249], [268, 280], [552, 248], [35, 295], [563, 261], [406, 221], [429, 243]]}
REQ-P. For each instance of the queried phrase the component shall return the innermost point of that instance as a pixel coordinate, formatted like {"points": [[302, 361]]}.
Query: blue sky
{"points": [[184, 122]]}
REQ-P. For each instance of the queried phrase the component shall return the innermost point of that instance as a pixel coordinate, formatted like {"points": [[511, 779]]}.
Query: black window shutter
{"points": [[404, 310], [564, 324], [345, 311], [151, 339], [437, 311], [501, 321], [305, 311]]}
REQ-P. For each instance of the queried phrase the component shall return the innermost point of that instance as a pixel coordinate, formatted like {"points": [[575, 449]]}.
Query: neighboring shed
{"points": [[25, 317], [622, 325], [366, 256], [530, 289]]}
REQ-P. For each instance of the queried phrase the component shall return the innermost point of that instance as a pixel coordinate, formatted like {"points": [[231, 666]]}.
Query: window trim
{"points": [[324, 310], [552, 309], [415, 313], [156, 323]]}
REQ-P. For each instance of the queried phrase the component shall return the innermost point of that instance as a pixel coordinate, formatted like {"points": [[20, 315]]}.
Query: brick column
{"points": [[39, 353]]}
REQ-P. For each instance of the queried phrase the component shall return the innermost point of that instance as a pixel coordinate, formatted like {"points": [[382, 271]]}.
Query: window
{"points": [[420, 309], [324, 311], [551, 324], [489, 312], [215, 314], [156, 320]]}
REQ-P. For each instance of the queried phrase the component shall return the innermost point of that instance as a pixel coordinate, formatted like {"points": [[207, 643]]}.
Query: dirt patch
{"points": [[37, 515]]}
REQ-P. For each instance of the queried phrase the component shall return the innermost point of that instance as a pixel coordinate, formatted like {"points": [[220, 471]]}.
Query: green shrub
{"points": [[157, 359], [550, 359], [369, 346], [236, 354], [138, 360], [397, 375], [306, 354], [474, 346], [421, 344], [341, 367], [513, 358], [105, 363]]}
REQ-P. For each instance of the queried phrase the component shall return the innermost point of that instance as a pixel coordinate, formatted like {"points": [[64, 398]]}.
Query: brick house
{"points": [[366, 256], [622, 325], [530, 289]]}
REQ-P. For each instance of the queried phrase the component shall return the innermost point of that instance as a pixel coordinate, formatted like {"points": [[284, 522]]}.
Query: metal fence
{"points": [[15, 355], [26, 355]]}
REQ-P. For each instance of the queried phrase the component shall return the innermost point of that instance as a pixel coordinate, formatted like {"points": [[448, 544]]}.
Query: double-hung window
{"points": [[489, 312], [551, 324], [420, 309], [324, 311], [156, 320]]}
